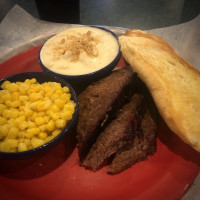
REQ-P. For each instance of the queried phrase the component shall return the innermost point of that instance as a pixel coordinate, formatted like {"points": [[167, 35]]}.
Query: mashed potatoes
{"points": [[79, 50]]}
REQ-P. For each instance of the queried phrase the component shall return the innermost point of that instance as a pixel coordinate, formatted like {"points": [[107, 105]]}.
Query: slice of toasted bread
{"points": [[174, 83]]}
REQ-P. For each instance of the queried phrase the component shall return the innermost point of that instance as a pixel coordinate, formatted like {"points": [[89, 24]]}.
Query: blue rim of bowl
{"points": [[55, 140], [71, 77]]}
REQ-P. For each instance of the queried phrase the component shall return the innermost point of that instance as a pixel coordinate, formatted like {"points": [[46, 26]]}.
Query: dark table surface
{"points": [[137, 14]]}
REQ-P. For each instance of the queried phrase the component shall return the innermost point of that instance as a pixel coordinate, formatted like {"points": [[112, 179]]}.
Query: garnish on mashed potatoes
{"points": [[75, 44]]}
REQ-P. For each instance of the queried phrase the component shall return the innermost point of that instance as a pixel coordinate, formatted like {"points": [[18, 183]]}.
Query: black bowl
{"points": [[85, 79], [41, 78]]}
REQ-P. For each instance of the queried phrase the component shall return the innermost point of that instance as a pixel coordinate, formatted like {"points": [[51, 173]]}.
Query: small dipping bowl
{"points": [[81, 55], [42, 77]]}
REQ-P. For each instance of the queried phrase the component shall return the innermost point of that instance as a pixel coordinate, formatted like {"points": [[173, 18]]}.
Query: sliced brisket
{"points": [[138, 149], [98, 104], [116, 133]]}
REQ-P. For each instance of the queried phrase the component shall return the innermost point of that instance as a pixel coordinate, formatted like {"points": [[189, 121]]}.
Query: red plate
{"points": [[168, 174]]}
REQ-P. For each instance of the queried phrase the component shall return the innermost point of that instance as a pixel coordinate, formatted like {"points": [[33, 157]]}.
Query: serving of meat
{"points": [[115, 135], [137, 149], [98, 104], [116, 122]]}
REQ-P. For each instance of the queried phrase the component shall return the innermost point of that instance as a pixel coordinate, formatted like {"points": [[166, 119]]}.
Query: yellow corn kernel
{"points": [[42, 135], [59, 91], [30, 147], [7, 113], [41, 114], [6, 97], [15, 113], [13, 150], [43, 127], [2, 120], [60, 123], [19, 83], [22, 147], [33, 80], [2, 93], [28, 81], [36, 142], [29, 135], [55, 116], [12, 143], [51, 125], [56, 132], [21, 108], [30, 89], [49, 113], [12, 87], [54, 97], [15, 104], [8, 103], [66, 97], [40, 106], [2, 108], [21, 134], [42, 93], [21, 113], [13, 133], [11, 123], [49, 93], [22, 90], [57, 85], [37, 88], [28, 112], [20, 140], [4, 84], [15, 96], [31, 124], [4, 147], [65, 89], [54, 108], [33, 116], [4, 130], [49, 138], [70, 106], [48, 88], [27, 141], [66, 115], [23, 125], [60, 103], [47, 104], [46, 119], [33, 131], [19, 120], [34, 96], [33, 106], [39, 121], [23, 98]]}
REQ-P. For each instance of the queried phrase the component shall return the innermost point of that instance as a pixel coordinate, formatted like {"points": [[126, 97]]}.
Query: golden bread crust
{"points": [[173, 82]]}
